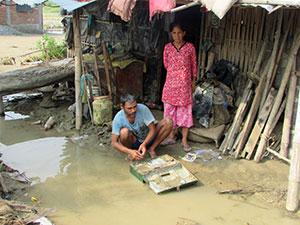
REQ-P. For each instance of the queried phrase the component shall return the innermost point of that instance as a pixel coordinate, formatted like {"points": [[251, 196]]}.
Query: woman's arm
{"points": [[194, 62], [165, 57]]}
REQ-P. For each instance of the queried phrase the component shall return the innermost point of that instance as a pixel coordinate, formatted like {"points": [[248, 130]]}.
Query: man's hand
{"points": [[142, 150], [135, 155]]}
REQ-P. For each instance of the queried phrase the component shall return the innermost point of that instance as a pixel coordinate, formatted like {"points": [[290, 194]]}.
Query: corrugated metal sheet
{"points": [[220, 7], [71, 5]]}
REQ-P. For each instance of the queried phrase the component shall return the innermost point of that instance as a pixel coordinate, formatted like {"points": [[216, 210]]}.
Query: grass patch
{"points": [[51, 15]]}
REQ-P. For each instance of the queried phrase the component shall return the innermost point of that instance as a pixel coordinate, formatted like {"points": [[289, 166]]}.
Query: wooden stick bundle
{"points": [[278, 99]]}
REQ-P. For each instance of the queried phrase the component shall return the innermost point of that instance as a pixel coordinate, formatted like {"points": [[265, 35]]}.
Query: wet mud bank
{"points": [[87, 182]]}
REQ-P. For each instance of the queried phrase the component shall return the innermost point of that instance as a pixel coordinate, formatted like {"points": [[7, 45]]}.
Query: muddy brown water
{"points": [[91, 184]]}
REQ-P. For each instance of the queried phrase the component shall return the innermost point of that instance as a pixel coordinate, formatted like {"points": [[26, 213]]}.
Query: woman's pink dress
{"points": [[181, 66]]}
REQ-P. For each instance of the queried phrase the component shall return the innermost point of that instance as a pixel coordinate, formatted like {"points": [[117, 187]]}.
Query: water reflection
{"points": [[37, 158], [10, 115]]}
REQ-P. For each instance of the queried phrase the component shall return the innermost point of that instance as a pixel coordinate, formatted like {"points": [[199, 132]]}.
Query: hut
{"points": [[255, 42]]}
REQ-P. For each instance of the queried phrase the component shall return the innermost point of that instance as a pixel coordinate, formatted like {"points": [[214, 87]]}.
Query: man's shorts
{"points": [[137, 144]]}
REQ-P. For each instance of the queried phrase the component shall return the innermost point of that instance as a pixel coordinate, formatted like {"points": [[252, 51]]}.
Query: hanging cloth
{"points": [[160, 6], [122, 8]]}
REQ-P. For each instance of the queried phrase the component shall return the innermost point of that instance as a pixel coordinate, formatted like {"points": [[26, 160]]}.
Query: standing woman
{"points": [[180, 63]]}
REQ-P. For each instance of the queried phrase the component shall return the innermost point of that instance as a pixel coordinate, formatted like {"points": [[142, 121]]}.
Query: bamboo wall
{"points": [[239, 36]]}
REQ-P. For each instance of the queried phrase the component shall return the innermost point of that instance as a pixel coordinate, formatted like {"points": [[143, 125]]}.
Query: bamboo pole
{"points": [[106, 68], [272, 58], [1, 106], [78, 68], [237, 37], [242, 47], [203, 55], [285, 78], [286, 129], [278, 155], [96, 70], [278, 57], [200, 42], [292, 201]]}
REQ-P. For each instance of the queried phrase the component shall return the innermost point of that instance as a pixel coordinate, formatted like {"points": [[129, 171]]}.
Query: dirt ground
{"points": [[266, 181]]}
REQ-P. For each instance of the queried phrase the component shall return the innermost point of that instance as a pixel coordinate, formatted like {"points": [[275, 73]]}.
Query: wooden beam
{"points": [[78, 68]]}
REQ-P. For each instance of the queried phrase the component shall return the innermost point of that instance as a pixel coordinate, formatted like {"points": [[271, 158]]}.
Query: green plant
{"points": [[51, 49]]}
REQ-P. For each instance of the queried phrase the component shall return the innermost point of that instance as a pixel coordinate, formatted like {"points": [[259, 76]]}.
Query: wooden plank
{"points": [[272, 58], [237, 125], [285, 139], [236, 122], [278, 99], [254, 107], [258, 127], [280, 110]]}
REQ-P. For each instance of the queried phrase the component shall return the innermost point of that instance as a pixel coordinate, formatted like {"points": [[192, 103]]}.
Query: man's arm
{"points": [[149, 137], [136, 155]]}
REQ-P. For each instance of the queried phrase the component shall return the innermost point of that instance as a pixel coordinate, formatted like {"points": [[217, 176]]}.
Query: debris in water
{"points": [[49, 124]]}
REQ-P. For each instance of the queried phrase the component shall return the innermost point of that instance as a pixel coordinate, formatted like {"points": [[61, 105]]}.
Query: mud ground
{"points": [[266, 181]]}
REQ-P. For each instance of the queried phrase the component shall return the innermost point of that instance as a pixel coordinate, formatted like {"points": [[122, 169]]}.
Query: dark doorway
{"points": [[191, 20]]}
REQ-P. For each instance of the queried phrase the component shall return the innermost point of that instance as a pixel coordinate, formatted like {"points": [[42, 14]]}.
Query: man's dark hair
{"points": [[127, 98]]}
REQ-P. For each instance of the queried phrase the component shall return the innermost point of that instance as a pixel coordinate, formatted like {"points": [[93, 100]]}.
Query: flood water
{"points": [[90, 184]]}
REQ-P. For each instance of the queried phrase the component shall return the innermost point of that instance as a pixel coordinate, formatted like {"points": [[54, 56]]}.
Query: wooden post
{"points": [[78, 68], [292, 201], [286, 129], [1, 107], [278, 99]]}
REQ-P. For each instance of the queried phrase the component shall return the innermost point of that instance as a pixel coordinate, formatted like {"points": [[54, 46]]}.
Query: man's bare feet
{"points": [[152, 154]]}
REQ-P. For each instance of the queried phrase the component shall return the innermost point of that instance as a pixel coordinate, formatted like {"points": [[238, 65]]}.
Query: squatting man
{"points": [[135, 130]]}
